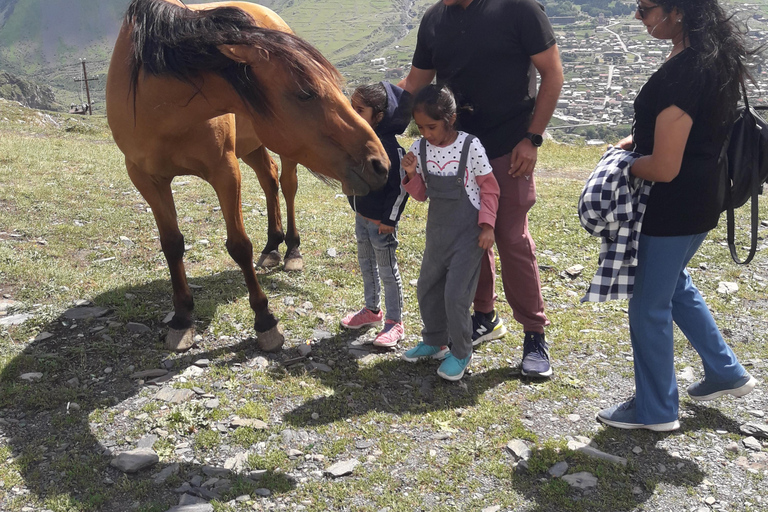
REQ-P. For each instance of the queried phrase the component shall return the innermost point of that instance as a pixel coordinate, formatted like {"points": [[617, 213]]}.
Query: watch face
{"points": [[535, 138]]}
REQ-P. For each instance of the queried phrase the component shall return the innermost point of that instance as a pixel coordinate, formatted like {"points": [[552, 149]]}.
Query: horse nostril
{"points": [[379, 167]]}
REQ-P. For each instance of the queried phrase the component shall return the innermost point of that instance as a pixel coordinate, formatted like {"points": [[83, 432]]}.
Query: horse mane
{"points": [[169, 39]]}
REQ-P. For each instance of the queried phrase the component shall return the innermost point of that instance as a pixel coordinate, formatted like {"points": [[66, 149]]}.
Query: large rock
{"points": [[582, 480], [135, 460], [342, 468], [84, 313]]}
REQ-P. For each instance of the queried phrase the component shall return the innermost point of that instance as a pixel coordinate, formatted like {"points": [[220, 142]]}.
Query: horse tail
{"points": [[169, 39]]}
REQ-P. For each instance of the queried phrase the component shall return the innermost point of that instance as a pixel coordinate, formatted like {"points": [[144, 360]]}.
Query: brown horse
{"points": [[191, 90]]}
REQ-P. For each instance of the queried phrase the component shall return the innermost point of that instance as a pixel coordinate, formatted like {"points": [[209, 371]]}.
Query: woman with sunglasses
{"points": [[682, 116]]}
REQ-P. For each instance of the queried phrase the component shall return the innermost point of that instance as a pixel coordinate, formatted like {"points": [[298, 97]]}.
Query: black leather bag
{"points": [[744, 163]]}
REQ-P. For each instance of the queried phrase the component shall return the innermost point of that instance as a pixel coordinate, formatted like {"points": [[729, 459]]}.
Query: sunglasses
{"points": [[642, 11]]}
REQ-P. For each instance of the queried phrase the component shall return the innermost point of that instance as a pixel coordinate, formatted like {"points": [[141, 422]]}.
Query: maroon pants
{"points": [[519, 270]]}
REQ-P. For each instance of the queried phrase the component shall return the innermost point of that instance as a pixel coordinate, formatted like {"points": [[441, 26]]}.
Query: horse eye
{"points": [[306, 95]]}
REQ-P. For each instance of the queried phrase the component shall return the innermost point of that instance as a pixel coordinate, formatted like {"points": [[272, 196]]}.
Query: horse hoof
{"points": [[180, 340], [269, 259], [294, 264], [271, 340], [293, 261]]}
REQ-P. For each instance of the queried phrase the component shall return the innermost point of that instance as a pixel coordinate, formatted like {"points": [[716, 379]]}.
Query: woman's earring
{"points": [[679, 20]]}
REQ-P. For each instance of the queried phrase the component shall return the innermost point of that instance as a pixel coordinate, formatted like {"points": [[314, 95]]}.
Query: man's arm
{"points": [[417, 79], [547, 63]]}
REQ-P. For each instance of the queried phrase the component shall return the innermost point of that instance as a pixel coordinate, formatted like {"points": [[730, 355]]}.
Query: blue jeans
{"points": [[664, 293], [377, 259]]}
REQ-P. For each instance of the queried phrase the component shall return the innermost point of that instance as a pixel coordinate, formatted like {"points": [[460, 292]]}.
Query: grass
{"points": [[66, 210]]}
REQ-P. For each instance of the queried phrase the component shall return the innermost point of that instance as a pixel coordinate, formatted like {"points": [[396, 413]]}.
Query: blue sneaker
{"points": [[453, 368], [535, 355], [625, 416], [423, 351], [702, 391]]}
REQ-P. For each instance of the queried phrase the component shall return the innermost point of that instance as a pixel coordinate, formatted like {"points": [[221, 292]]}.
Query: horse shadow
{"points": [[61, 395]]}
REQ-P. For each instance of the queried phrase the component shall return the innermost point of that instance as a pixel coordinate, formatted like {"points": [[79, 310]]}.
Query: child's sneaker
{"points": [[390, 334], [362, 318], [486, 327], [453, 368], [423, 351]]}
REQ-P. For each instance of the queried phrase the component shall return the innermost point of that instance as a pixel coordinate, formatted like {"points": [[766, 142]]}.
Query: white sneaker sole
{"points": [[547, 373], [493, 335], [356, 327], [437, 355], [656, 427], [737, 392]]}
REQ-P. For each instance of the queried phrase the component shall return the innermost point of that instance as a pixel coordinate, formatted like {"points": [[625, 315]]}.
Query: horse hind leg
{"points": [[159, 196], [289, 183], [267, 173], [227, 186]]}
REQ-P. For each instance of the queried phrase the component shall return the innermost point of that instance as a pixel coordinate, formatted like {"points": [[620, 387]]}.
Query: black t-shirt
{"points": [[691, 203], [483, 54]]}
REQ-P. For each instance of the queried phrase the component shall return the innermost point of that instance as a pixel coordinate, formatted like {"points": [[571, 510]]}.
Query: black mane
{"points": [[172, 40]]}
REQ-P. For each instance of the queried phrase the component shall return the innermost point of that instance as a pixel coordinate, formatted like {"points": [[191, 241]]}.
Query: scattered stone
{"points": [[315, 416], [519, 449], [202, 363], [73, 382], [7, 304], [559, 469], [319, 367], [494, 508], [137, 327], [363, 445], [43, 336], [686, 375], [198, 507], [573, 418], [166, 473], [581, 480], [135, 460], [174, 396], [342, 468], [83, 313], [249, 422], [215, 472], [709, 500], [752, 444], [73, 406], [586, 449], [167, 319], [304, 349], [321, 334], [331, 252], [192, 372], [293, 453], [757, 413], [261, 491], [213, 403], [727, 288], [636, 490], [732, 447], [14, 319], [574, 271], [31, 376], [237, 463], [149, 374], [413, 282], [637, 450], [758, 430], [148, 441]]}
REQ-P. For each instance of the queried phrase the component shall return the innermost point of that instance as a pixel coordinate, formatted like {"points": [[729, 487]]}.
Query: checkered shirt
{"points": [[612, 206]]}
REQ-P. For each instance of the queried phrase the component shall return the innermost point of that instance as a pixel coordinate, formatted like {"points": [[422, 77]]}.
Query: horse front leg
{"points": [[158, 194], [289, 183], [267, 173], [227, 185]]}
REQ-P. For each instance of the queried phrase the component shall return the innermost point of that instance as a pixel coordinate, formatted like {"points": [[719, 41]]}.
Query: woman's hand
{"points": [[626, 143], [486, 238], [408, 163]]}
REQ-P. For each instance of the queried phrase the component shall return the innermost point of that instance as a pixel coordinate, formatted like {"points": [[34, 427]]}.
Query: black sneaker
{"points": [[486, 327], [535, 355]]}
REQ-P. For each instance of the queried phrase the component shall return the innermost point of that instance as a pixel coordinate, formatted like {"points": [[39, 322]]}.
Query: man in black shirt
{"points": [[484, 50]]}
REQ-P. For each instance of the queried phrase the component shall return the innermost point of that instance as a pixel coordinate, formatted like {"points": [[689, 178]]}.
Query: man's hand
{"points": [[523, 159], [408, 163], [385, 229], [486, 238], [626, 143]]}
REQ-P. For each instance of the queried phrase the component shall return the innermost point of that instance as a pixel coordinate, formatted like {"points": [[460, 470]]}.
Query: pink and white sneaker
{"points": [[362, 318], [390, 334]]}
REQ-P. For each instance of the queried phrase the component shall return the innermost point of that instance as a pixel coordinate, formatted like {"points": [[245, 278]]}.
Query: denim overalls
{"points": [[451, 264]]}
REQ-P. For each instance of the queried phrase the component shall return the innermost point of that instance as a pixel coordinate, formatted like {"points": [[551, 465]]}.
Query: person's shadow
{"points": [[618, 488], [62, 395]]}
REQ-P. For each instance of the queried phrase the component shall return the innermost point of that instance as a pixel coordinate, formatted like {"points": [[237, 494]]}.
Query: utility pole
{"points": [[87, 90]]}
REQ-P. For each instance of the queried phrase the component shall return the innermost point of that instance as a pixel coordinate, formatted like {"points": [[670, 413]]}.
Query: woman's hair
{"points": [[721, 48], [436, 101], [374, 96]]}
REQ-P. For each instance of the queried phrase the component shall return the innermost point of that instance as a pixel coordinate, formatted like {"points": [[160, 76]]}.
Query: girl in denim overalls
{"points": [[451, 169]]}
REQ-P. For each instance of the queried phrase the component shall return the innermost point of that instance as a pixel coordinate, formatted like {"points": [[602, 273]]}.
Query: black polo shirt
{"points": [[483, 54]]}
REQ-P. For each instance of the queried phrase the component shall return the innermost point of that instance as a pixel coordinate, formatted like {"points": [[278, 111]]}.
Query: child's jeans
{"points": [[377, 258]]}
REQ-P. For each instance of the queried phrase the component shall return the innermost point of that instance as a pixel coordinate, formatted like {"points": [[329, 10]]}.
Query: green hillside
{"points": [[44, 40]]}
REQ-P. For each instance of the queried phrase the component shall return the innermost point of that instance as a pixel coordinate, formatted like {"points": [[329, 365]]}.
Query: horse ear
{"points": [[243, 54], [238, 53]]}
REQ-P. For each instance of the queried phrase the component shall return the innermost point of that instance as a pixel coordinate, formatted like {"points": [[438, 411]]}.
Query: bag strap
{"points": [[754, 187], [423, 158]]}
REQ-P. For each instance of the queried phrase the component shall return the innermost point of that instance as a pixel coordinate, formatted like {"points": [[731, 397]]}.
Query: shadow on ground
{"points": [[86, 366]]}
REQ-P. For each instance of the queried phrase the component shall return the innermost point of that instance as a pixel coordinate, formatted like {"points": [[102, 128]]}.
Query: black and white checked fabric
{"points": [[612, 206]]}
